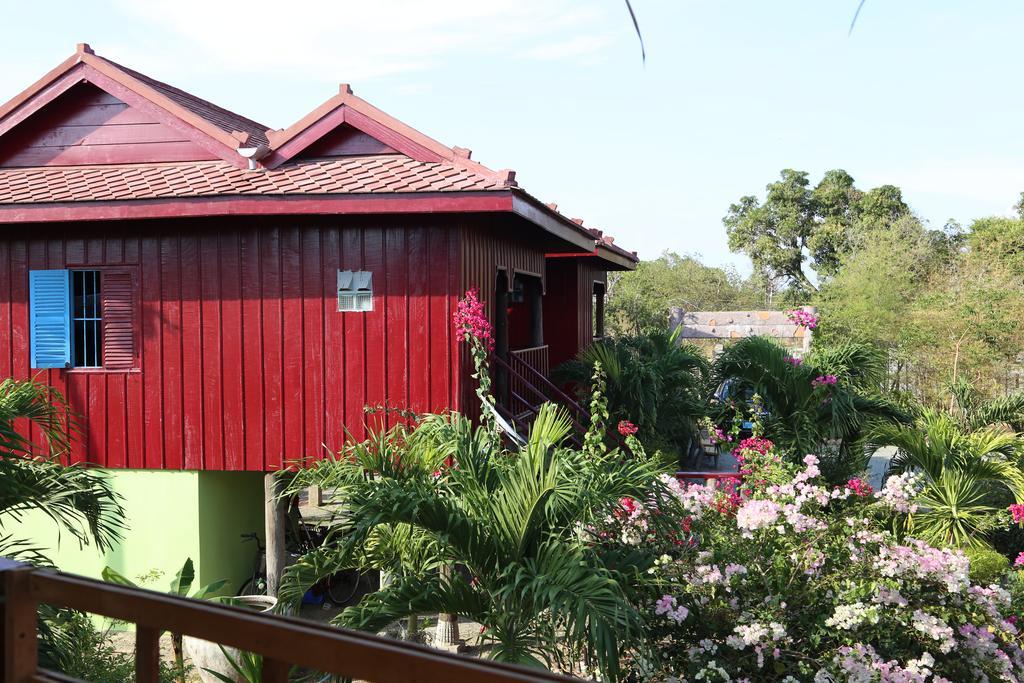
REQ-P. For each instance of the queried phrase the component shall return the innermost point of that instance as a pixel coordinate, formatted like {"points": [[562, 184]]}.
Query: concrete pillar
{"points": [[275, 510]]}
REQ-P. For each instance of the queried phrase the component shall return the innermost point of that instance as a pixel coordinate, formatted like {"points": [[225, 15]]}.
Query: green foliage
{"points": [[967, 477], [180, 586], [510, 518], [800, 416], [796, 220], [651, 381], [987, 565], [90, 654], [639, 301], [79, 502], [247, 665]]}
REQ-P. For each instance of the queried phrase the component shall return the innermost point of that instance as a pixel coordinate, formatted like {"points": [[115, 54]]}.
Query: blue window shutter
{"points": [[50, 318]]}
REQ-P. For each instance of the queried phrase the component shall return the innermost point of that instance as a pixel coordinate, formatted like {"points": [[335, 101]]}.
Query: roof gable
{"points": [[344, 141], [86, 125], [214, 129]]}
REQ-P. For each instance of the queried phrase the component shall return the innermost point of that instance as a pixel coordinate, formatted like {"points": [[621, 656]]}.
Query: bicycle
{"points": [[257, 583], [339, 588]]}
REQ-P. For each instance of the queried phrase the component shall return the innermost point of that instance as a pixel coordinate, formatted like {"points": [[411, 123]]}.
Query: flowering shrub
{"points": [[803, 318], [782, 577], [793, 360], [1017, 513], [824, 381]]}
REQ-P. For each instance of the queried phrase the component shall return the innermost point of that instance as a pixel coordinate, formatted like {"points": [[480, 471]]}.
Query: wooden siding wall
{"points": [[92, 127], [568, 316], [345, 141], [245, 361], [483, 252]]}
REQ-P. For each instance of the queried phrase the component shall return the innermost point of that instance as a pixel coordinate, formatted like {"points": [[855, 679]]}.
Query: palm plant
{"points": [[79, 502], [973, 412], [965, 472], [801, 413], [652, 381], [506, 519]]}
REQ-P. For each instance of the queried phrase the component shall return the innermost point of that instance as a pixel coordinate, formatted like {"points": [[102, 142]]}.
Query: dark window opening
{"points": [[87, 319], [597, 311]]}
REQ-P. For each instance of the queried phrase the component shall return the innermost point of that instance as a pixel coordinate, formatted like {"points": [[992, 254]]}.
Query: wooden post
{"points": [[18, 630], [275, 511], [147, 654]]}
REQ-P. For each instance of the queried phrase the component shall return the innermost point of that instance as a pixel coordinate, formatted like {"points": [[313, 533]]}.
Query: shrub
{"points": [[89, 654], [987, 566], [781, 575]]}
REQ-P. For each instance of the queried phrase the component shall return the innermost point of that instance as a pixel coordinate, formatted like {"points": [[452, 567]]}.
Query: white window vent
{"points": [[355, 290]]}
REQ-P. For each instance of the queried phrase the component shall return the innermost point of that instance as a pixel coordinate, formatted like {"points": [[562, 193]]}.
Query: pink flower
{"points": [[793, 360], [824, 381], [802, 318], [1017, 511], [859, 487], [627, 428], [1019, 562], [471, 320]]}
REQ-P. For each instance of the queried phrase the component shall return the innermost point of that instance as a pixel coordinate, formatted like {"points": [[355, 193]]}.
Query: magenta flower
{"points": [[1019, 562], [626, 428], [859, 487], [802, 318], [824, 381], [471, 320], [794, 361], [1017, 511]]}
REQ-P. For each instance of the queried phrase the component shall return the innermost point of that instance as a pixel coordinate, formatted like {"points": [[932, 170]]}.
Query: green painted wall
{"points": [[170, 516]]}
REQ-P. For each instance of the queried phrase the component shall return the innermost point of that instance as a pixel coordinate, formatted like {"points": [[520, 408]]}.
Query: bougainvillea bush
{"points": [[780, 577]]}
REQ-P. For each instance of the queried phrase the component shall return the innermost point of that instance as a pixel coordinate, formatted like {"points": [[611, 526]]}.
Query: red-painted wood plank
{"points": [[421, 269], [354, 332], [313, 342], [152, 353], [93, 135], [97, 417], [252, 352], [212, 333], [274, 347], [115, 454], [172, 370], [438, 358], [334, 343], [74, 155], [383, 203], [6, 348], [291, 276], [134, 423], [396, 324], [375, 339], [191, 351], [232, 352]]}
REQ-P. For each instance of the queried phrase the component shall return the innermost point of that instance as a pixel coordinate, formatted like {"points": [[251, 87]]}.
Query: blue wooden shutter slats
{"points": [[50, 318]]}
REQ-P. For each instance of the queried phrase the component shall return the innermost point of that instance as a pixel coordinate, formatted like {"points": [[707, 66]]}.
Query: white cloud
{"points": [[580, 47], [335, 40]]}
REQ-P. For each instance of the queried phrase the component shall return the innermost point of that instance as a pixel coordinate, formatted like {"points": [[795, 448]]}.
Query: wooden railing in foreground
{"points": [[282, 641]]}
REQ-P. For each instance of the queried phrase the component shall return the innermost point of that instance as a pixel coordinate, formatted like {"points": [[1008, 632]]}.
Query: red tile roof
{"points": [[227, 121], [346, 175]]}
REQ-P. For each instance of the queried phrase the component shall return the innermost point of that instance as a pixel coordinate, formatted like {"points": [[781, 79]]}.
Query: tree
{"points": [[639, 301], [796, 223]]}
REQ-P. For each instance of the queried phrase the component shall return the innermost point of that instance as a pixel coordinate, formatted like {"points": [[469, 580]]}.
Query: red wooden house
{"points": [[213, 294]]}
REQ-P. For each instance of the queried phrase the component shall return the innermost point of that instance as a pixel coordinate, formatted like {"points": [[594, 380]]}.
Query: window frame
{"points": [[132, 270], [97, 320], [357, 293]]}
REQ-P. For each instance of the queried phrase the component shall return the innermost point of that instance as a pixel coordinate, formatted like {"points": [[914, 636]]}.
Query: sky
{"points": [[924, 94]]}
